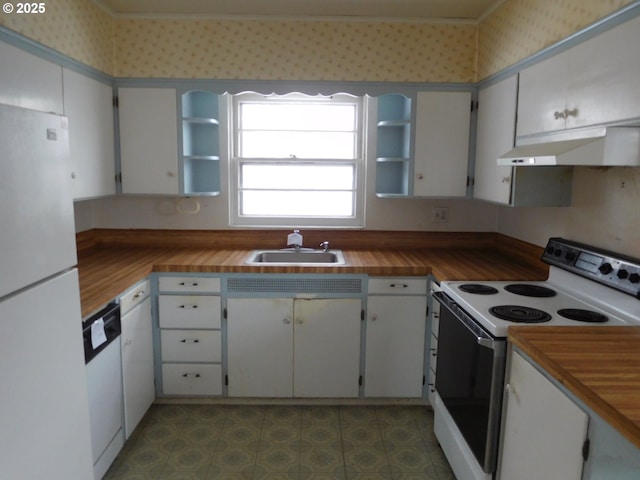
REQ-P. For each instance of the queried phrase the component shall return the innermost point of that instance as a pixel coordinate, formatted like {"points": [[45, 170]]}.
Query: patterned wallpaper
{"points": [[295, 50], [76, 28], [520, 28], [306, 50]]}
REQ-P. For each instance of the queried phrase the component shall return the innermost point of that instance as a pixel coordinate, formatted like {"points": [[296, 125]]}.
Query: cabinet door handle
{"points": [[398, 285], [560, 115], [190, 340], [138, 294], [193, 284], [299, 321], [188, 306], [191, 375], [286, 320], [571, 113]]}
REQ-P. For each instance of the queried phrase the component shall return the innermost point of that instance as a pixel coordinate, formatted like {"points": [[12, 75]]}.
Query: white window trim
{"points": [[356, 221]]}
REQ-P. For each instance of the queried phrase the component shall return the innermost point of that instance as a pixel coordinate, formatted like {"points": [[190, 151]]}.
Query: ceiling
{"points": [[388, 9]]}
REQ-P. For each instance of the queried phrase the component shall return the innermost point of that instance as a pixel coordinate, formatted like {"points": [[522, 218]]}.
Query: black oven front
{"points": [[469, 379]]}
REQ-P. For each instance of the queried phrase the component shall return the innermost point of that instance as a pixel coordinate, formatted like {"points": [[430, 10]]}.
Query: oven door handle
{"points": [[486, 342]]}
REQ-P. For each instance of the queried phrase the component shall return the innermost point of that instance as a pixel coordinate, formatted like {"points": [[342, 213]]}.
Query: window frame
{"points": [[236, 162]]}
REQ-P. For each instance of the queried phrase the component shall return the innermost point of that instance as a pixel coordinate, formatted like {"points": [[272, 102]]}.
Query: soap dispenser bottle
{"points": [[294, 239]]}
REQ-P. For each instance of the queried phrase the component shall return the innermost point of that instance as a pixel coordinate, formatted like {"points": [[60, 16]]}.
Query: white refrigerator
{"points": [[44, 413]]}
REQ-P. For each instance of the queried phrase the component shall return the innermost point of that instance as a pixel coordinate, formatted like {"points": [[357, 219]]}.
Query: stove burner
{"points": [[581, 315], [478, 289], [529, 290], [519, 314]]}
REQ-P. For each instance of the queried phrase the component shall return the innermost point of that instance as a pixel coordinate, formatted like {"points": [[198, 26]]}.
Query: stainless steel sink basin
{"points": [[295, 257]]}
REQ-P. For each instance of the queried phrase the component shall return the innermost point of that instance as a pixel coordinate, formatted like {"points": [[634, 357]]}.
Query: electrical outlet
{"points": [[440, 215]]}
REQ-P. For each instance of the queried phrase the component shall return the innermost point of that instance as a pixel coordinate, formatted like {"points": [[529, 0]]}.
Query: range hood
{"points": [[605, 146]]}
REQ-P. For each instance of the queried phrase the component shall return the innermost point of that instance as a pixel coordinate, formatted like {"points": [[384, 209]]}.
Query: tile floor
{"points": [[235, 442]]}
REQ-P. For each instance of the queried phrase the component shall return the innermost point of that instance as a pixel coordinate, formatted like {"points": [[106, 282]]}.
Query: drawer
{"points": [[191, 345], [189, 311], [433, 353], [191, 379], [134, 296], [398, 286], [189, 284]]}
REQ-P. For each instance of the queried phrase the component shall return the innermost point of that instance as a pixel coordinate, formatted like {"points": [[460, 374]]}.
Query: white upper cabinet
{"points": [[29, 82], [148, 141], [603, 77], [88, 106], [442, 144], [592, 83], [495, 136], [516, 186]]}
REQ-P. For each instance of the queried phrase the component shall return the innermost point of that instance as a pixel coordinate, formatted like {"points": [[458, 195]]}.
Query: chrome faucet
{"points": [[325, 246]]}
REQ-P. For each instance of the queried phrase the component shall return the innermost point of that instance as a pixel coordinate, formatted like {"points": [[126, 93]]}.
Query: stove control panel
{"points": [[612, 269]]}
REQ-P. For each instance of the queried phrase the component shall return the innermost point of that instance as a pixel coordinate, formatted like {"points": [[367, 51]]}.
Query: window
{"points": [[297, 160]]}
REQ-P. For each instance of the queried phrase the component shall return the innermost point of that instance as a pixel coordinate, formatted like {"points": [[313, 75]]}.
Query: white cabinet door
{"points": [[28, 81], [394, 360], [327, 347], [542, 96], [260, 347], [603, 77], [495, 136], [264, 333], [148, 140], [88, 104], [137, 364], [442, 144], [543, 431]]}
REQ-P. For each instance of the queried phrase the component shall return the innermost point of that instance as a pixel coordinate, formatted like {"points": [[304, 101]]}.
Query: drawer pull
{"points": [[191, 375], [192, 284], [138, 294], [399, 285], [189, 340], [188, 306]]}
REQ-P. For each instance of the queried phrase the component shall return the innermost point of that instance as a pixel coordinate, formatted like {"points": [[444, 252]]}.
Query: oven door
{"points": [[469, 379]]}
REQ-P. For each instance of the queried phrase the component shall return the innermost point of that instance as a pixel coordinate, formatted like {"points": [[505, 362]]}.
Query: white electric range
{"points": [[586, 286]]}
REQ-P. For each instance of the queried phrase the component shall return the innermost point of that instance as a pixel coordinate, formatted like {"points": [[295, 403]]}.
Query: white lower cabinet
{"points": [[284, 347], [190, 335], [137, 356], [543, 430], [395, 339]]}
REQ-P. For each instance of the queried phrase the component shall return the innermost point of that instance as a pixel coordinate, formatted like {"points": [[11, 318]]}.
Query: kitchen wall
{"points": [[296, 50], [603, 211]]}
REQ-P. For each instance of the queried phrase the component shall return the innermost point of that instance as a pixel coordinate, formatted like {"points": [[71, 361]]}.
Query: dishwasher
{"points": [[102, 355]]}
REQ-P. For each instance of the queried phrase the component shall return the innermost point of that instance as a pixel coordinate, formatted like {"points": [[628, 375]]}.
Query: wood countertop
{"points": [[109, 262], [600, 365]]}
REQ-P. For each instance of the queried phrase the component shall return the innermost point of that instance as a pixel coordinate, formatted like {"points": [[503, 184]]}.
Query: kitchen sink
{"points": [[295, 257]]}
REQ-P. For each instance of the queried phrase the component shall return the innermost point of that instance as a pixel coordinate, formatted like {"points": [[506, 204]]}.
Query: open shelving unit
{"points": [[200, 143], [393, 149]]}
